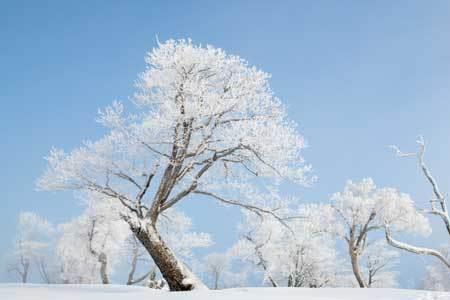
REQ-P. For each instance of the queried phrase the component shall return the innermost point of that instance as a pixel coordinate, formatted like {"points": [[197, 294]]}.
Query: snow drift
{"points": [[116, 292]]}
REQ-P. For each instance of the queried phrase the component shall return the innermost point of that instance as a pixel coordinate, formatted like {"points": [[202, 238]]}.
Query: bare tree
{"points": [[215, 265], [21, 267], [31, 242], [378, 261], [47, 271], [438, 207]]}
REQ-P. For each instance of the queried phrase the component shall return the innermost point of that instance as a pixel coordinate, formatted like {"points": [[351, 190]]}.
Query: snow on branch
{"points": [[414, 249], [440, 210]]}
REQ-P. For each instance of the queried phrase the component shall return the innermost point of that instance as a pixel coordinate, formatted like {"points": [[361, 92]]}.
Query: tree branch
{"points": [[257, 210], [111, 193], [144, 189], [443, 212], [413, 249], [128, 178]]}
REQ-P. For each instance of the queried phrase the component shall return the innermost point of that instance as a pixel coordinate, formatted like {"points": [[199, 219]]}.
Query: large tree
{"points": [[205, 124]]}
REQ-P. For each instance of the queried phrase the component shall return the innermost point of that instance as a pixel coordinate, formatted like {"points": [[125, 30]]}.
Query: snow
{"points": [[116, 292]]}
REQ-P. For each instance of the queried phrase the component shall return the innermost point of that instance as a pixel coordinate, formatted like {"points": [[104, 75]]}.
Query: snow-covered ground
{"points": [[116, 292]]}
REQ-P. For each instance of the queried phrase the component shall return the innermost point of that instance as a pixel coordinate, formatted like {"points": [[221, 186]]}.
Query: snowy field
{"points": [[115, 292]]}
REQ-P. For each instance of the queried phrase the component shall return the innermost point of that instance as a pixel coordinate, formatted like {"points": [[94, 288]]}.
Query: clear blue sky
{"points": [[356, 75]]}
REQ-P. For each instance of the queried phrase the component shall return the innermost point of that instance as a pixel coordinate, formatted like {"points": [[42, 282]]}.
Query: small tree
{"points": [[296, 253], [362, 209], [32, 240], [378, 261], [21, 265], [437, 276], [207, 125], [90, 245], [215, 267]]}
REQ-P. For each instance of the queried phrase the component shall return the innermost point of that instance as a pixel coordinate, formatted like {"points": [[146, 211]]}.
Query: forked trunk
{"points": [[178, 277], [355, 267]]}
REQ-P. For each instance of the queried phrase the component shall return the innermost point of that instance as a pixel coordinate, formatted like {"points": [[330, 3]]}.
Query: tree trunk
{"points": [[24, 275], [103, 265], [178, 277], [369, 282], [216, 281], [290, 282], [355, 267], [133, 267]]}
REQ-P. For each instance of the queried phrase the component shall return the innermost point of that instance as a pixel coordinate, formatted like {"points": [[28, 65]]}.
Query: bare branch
{"points": [[153, 149], [442, 212], [144, 189], [258, 156], [262, 261], [413, 249], [191, 188], [363, 231], [399, 153], [128, 178], [259, 211], [111, 193], [135, 281]]}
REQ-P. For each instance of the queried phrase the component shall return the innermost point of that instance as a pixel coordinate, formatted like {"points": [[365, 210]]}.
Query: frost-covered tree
{"points": [[438, 207], [33, 238], [362, 209], [90, 245], [215, 267], [220, 270], [78, 265], [205, 124], [378, 261], [298, 253], [437, 277]]}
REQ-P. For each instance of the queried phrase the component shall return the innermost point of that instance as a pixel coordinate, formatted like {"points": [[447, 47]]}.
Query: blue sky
{"points": [[356, 75]]}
